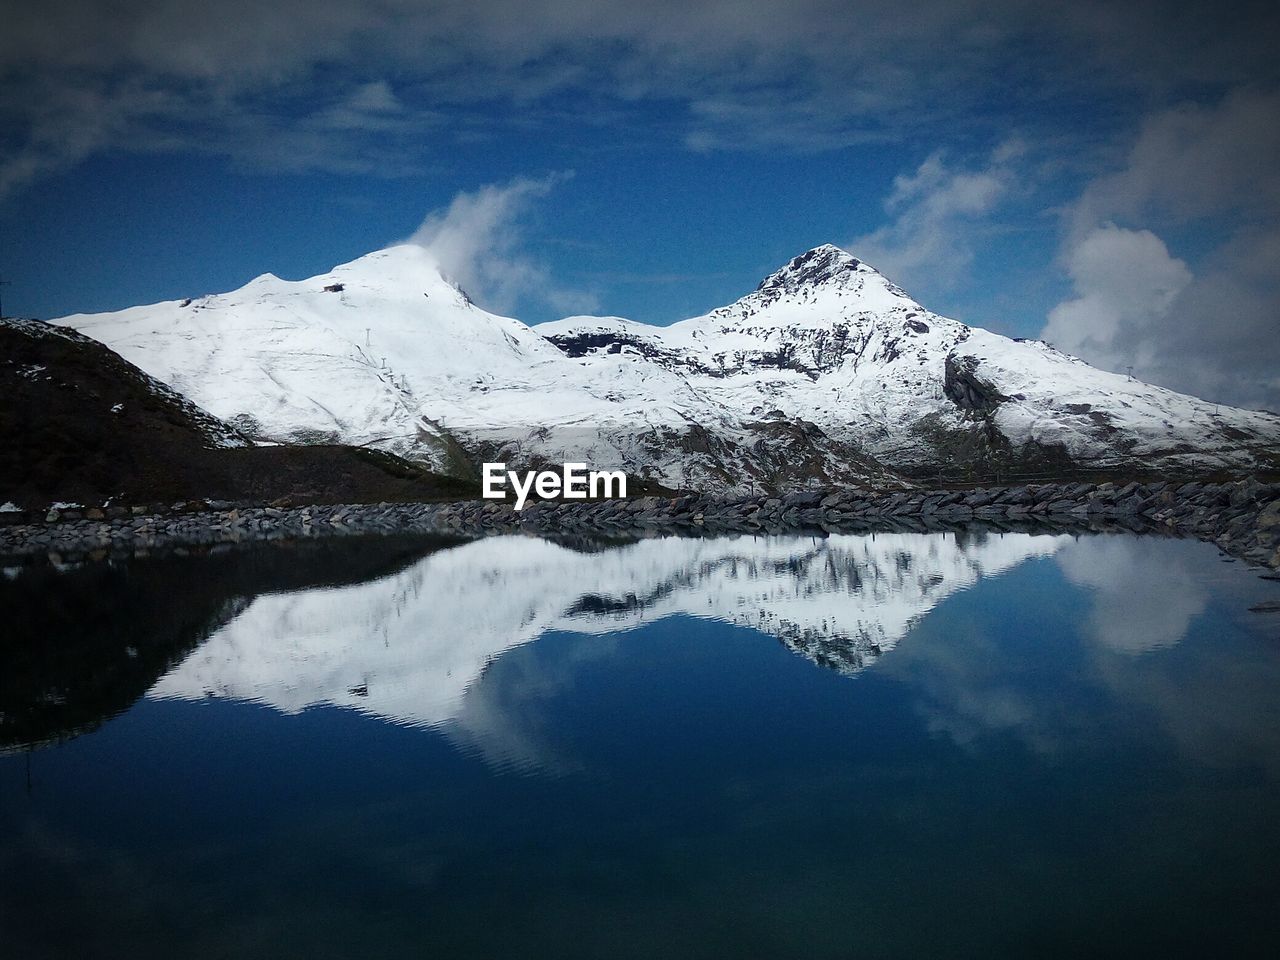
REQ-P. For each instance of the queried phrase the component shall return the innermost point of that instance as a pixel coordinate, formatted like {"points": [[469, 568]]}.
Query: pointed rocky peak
{"points": [[812, 268], [825, 274]]}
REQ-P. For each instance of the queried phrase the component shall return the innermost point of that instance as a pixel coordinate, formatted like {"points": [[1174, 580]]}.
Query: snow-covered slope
{"points": [[353, 355], [822, 371], [413, 647]]}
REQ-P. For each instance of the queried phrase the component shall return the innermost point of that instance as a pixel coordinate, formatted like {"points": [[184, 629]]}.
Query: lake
{"points": [[900, 745]]}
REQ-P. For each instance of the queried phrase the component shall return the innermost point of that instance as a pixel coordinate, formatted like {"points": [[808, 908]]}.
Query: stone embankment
{"points": [[1241, 517]]}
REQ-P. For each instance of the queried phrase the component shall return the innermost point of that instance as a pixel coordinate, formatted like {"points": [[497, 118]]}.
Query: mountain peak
{"points": [[404, 271], [824, 271], [398, 262], [816, 266]]}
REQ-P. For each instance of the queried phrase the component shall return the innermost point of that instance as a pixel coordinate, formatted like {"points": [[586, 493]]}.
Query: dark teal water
{"points": [[912, 746]]}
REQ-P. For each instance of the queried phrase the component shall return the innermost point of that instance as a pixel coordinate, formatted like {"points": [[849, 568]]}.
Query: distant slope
{"points": [[345, 357], [81, 424]]}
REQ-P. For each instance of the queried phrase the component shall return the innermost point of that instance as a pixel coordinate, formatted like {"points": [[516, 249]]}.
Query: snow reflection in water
{"points": [[409, 646]]}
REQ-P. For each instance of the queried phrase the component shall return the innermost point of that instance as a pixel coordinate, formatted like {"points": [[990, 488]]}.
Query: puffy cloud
{"points": [[1142, 596], [478, 241], [1192, 162], [1210, 326], [1141, 600], [1125, 282], [1223, 334], [936, 215]]}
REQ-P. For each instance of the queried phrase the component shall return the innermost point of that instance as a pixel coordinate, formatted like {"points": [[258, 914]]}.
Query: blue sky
{"points": [[1104, 176]]}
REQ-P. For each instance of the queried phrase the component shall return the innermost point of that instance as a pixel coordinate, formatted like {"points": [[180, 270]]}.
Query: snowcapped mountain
{"points": [[414, 647], [826, 371], [339, 357], [385, 351], [829, 339]]}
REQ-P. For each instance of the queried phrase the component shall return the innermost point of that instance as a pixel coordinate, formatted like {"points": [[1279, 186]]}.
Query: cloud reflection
{"points": [[1144, 594], [1103, 668]]}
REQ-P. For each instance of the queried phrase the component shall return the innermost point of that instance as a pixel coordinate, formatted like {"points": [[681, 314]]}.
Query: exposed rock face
{"points": [[966, 389], [819, 265], [615, 342]]}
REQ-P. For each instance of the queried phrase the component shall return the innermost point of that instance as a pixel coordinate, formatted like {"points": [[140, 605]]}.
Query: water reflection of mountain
{"points": [[81, 645], [408, 646]]}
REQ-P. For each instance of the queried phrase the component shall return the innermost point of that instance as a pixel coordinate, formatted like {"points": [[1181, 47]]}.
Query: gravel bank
{"points": [[1241, 517]]}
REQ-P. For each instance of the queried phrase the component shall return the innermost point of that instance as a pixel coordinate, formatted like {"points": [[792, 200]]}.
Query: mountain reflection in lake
{"points": [[891, 745]]}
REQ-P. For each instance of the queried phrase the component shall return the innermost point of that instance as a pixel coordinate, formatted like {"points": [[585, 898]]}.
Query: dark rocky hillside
{"points": [[84, 643], [80, 424]]}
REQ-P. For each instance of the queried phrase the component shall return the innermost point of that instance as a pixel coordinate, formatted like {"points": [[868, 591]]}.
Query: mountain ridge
{"points": [[827, 371]]}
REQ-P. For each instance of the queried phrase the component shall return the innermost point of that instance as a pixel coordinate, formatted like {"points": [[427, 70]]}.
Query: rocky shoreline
{"points": [[1242, 517]]}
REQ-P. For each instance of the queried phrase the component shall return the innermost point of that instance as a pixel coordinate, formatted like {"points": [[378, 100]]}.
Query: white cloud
{"points": [[936, 214], [1192, 162], [1210, 327], [478, 241], [1125, 283], [733, 73], [368, 106], [1141, 601]]}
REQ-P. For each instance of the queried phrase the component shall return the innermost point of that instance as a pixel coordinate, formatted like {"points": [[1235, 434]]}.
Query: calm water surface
{"points": [[892, 746]]}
